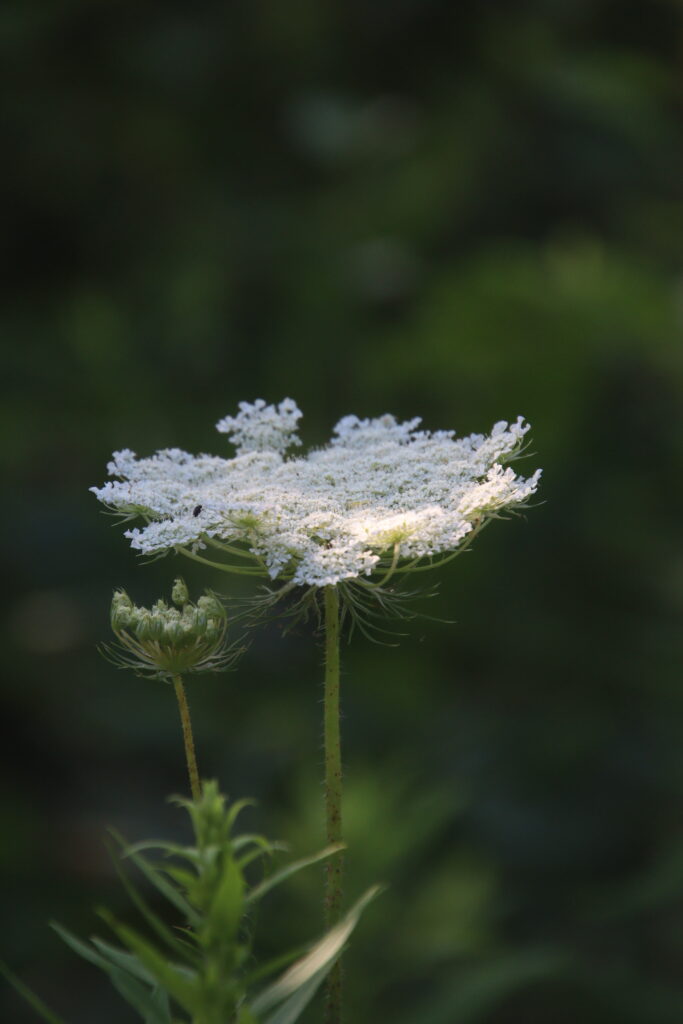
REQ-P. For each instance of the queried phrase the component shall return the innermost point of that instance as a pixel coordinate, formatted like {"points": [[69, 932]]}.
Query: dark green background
{"points": [[464, 211]]}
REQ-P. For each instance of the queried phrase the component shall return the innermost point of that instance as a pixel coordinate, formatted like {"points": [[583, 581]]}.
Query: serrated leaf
{"points": [[291, 869]]}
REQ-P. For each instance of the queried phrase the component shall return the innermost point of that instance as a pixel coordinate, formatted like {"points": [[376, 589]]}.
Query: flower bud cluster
{"points": [[167, 640]]}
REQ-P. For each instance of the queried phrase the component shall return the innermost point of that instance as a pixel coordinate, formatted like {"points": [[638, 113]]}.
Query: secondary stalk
{"points": [[187, 738]]}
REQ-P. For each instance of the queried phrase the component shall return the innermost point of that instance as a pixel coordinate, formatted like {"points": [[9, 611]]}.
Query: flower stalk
{"points": [[188, 739], [166, 642], [334, 869]]}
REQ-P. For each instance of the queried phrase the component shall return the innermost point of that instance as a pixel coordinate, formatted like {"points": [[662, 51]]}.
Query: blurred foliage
{"points": [[205, 967], [463, 211]]}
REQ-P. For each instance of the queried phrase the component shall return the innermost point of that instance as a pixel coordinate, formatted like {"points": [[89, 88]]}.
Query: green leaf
{"points": [[122, 973], [157, 879], [291, 869], [248, 858], [160, 844], [250, 837], [80, 947], [312, 968], [261, 848], [179, 981], [275, 964], [30, 997], [296, 1004], [237, 809], [185, 879], [225, 913], [161, 996], [179, 947], [151, 1008], [245, 1016], [126, 961]]}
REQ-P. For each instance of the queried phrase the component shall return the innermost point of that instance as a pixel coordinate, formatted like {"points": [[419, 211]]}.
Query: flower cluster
{"points": [[382, 494], [164, 641], [260, 427]]}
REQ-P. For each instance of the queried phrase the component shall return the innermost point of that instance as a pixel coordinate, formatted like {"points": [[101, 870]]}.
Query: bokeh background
{"points": [[463, 211]]}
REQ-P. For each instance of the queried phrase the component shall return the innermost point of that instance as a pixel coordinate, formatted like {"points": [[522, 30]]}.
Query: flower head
{"points": [[164, 641], [382, 496]]}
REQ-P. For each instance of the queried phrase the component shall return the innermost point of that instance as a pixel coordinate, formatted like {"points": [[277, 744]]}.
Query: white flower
{"points": [[381, 496], [261, 427]]}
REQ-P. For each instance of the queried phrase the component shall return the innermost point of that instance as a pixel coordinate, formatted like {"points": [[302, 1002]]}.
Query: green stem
{"points": [[334, 869], [240, 570], [187, 738]]}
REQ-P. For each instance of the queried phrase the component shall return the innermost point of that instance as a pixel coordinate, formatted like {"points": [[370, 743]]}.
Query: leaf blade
{"points": [[28, 996], [317, 963], [290, 869]]}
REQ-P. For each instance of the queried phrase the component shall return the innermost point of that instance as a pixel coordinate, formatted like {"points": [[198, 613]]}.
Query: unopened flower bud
{"points": [[188, 622], [157, 622], [180, 593], [144, 630], [174, 632], [211, 606], [165, 641], [121, 610]]}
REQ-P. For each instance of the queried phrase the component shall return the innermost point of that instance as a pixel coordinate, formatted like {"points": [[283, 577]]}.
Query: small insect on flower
{"points": [[197, 509]]}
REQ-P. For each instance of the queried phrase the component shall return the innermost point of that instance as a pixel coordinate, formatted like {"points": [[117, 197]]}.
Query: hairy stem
{"points": [[334, 869], [187, 738]]}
